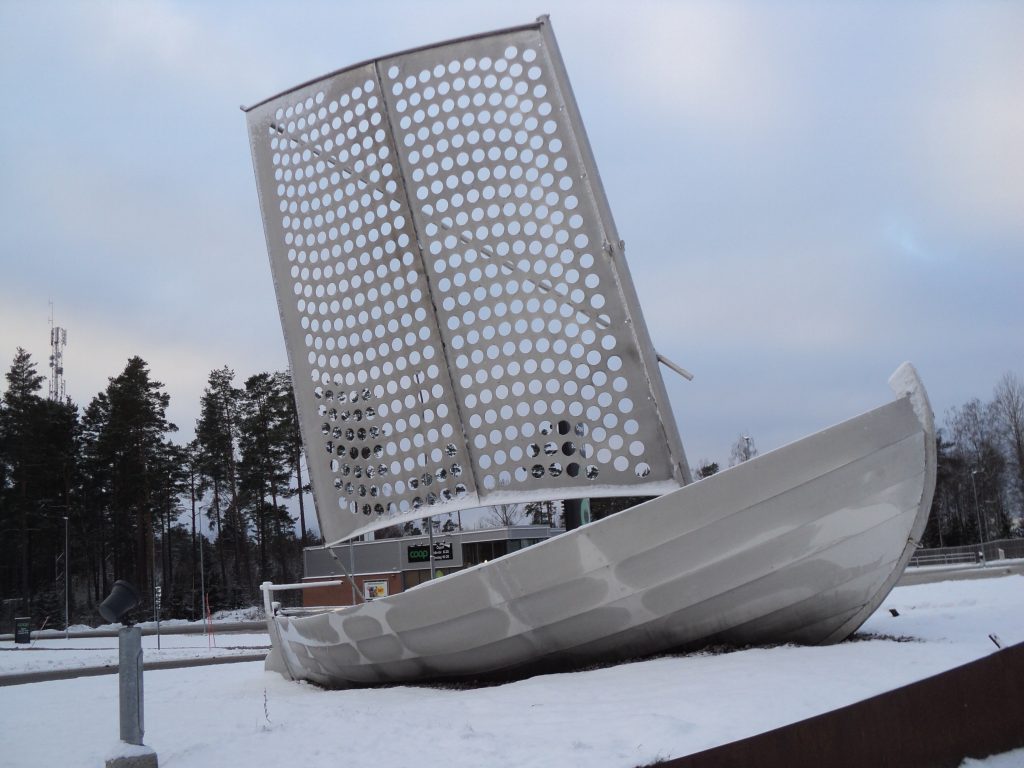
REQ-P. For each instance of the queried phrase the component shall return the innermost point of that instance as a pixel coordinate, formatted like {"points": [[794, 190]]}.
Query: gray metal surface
{"points": [[131, 695], [459, 318], [800, 544]]}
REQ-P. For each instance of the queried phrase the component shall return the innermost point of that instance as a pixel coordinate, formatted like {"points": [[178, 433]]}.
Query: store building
{"points": [[388, 566]]}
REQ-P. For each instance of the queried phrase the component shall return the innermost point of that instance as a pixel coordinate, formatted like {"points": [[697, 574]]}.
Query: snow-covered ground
{"points": [[626, 715], [53, 652], [1014, 759], [50, 654]]}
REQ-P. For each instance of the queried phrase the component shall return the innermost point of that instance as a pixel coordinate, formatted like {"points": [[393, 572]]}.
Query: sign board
{"points": [[23, 629], [375, 589], [420, 553]]}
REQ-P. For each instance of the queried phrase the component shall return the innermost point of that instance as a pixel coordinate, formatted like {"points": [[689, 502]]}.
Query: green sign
{"points": [[23, 629], [420, 553]]}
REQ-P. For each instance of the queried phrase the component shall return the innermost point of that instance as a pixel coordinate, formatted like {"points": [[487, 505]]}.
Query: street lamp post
{"points": [[202, 585], [977, 514], [67, 582]]}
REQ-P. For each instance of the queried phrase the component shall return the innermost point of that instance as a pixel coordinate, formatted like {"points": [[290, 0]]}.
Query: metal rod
{"points": [[267, 587], [351, 578], [601, 321], [673, 367]]}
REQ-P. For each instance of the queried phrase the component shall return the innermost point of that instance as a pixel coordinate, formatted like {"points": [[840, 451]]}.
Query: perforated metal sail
{"points": [[460, 322]]}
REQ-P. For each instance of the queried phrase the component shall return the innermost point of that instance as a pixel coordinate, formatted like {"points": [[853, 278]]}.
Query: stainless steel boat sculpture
{"points": [[463, 331]]}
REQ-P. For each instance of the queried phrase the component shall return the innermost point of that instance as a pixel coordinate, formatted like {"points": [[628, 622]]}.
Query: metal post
{"points": [[430, 539], [977, 514], [202, 584], [67, 582], [156, 611], [129, 641], [268, 610], [349, 572], [352, 571]]}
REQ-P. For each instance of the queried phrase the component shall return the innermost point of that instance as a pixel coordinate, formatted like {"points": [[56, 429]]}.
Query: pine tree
{"points": [[17, 449], [170, 484], [196, 488], [36, 468], [265, 467], [132, 443], [216, 443], [94, 495], [296, 453], [707, 469]]}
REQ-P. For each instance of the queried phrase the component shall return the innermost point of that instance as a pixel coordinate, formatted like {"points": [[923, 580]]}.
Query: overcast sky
{"points": [[810, 193]]}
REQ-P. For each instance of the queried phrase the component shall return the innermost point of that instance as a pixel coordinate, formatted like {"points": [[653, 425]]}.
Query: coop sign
{"points": [[420, 553]]}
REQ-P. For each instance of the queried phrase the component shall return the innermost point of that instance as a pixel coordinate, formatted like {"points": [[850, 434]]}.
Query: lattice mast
{"points": [[58, 341]]}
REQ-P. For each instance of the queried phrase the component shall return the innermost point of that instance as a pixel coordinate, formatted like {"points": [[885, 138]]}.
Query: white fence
{"points": [[1000, 549]]}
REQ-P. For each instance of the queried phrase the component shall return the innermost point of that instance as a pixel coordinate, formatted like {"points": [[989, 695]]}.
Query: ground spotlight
{"points": [[122, 598]]}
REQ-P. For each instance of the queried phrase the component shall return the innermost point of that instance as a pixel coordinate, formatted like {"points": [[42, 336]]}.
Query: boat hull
{"points": [[798, 545]]}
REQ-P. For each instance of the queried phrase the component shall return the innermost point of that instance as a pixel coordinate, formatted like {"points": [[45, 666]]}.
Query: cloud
{"points": [[971, 117], [191, 44], [810, 193], [701, 63]]}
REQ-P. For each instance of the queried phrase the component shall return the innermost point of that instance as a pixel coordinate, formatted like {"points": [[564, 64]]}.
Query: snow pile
{"points": [[626, 715]]}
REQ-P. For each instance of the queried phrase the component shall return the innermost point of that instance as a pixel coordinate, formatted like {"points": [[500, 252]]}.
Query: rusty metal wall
{"points": [[972, 711]]}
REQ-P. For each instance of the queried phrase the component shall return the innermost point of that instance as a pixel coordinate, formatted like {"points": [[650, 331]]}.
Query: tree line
{"points": [[214, 514], [132, 503], [979, 489]]}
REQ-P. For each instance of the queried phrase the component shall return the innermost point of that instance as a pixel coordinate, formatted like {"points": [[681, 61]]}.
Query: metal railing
{"points": [[1000, 549], [267, 587]]}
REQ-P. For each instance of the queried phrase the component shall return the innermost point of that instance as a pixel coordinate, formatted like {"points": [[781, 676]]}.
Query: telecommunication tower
{"points": [[58, 340]]}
